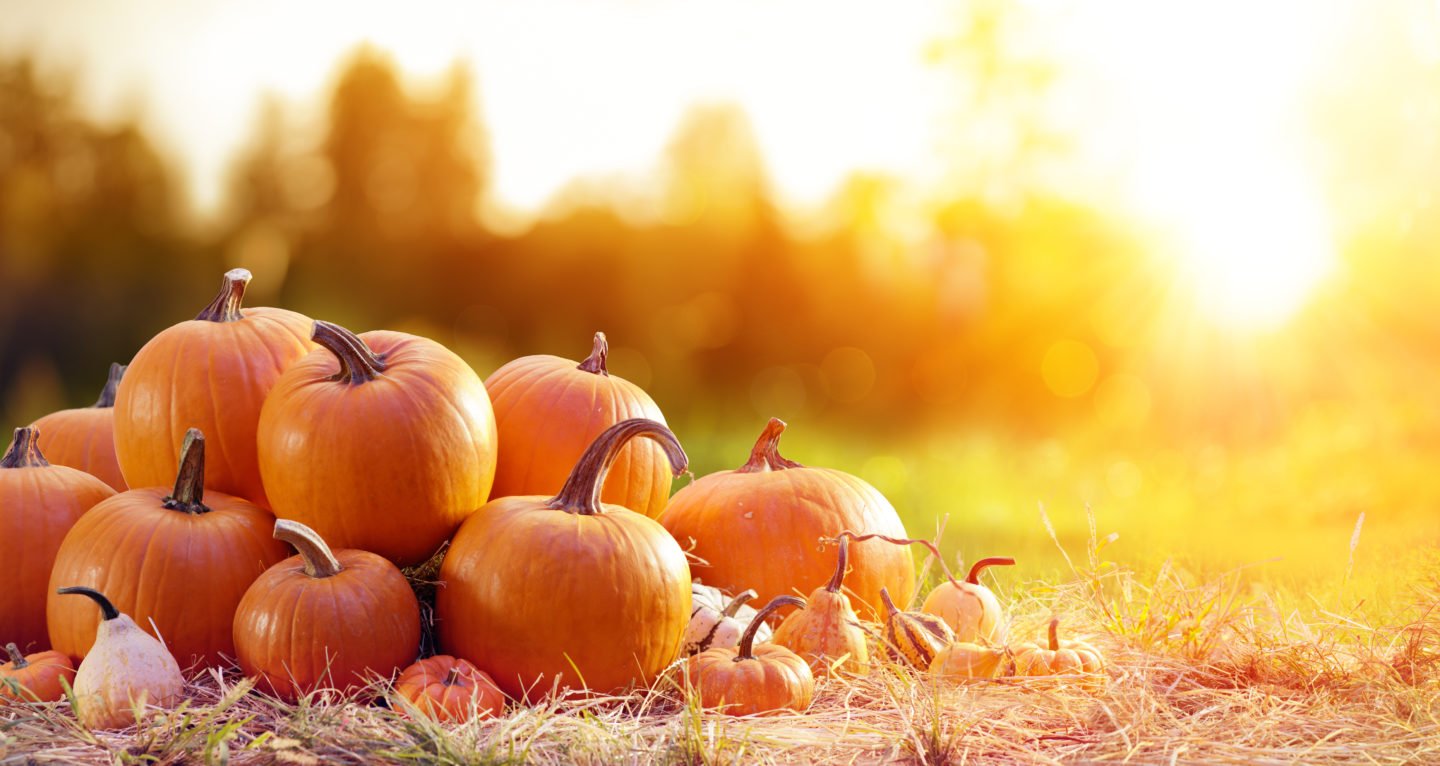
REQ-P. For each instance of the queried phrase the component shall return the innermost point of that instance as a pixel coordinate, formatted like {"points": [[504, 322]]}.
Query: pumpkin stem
{"points": [[890, 609], [226, 306], [107, 609], [842, 560], [24, 451], [190, 479], [934, 551], [320, 562], [765, 455], [974, 577], [453, 677], [598, 355], [17, 660], [358, 364], [737, 602], [747, 639], [581, 493], [1055, 634], [107, 394]]}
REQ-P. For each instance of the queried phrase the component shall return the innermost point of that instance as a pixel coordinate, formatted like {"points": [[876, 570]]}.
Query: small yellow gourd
{"points": [[969, 608], [125, 669], [827, 631]]}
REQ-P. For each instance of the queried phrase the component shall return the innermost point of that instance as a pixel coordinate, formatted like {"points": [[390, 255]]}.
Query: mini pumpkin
{"points": [[712, 627], [125, 669], [449, 689], [962, 659], [35, 678], [750, 680], [914, 637], [827, 632], [1057, 657], [84, 438], [969, 608]]}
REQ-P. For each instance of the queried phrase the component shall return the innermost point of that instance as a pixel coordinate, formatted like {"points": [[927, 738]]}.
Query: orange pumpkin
{"points": [[968, 607], [549, 409], [39, 502], [211, 373], [325, 619], [371, 424], [177, 561], [35, 678], [748, 680], [827, 632], [756, 527], [531, 583], [84, 438], [449, 689], [1057, 657]]}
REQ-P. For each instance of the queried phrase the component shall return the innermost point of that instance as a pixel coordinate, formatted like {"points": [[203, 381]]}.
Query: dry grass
{"points": [[1199, 674]]}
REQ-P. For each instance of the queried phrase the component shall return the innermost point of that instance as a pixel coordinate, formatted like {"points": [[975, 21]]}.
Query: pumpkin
{"points": [[963, 659], [211, 373], [567, 591], [827, 632], [39, 502], [747, 680], [712, 627], [549, 409], [125, 669], [755, 527], [449, 689], [371, 424], [176, 559], [969, 608], [325, 619], [914, 637], [84, 438], [1057, 657], [35, 678]]}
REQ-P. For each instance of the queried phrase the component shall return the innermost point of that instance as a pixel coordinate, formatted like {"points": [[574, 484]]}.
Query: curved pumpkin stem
{"points": [[890, 609], [934, 551], [746, 649], [581, 493], [320, 561], [737, 602], [107, 609], [358, 364], [765, 455], [1055, 633], [226, 306], [974, 577], [598, 356], [17, 660], [190, 479], [107, 394], [842, 560], [24, 451]]}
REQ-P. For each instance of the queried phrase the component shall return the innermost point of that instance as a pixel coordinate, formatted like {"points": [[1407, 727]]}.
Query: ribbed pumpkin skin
{"points": [[525, 586], [38, 505], [548, 411], [208, 375], [449, 689], [290, 627], [184, 572], [773, 681], [391, 465], [83, 439], [37, 676]]}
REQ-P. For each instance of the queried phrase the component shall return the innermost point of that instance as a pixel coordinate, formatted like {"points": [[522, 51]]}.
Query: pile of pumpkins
{"points": [[172, 504]]}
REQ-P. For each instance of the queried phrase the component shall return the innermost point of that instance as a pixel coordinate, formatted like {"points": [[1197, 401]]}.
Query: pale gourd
{"points": [[126, 669]]}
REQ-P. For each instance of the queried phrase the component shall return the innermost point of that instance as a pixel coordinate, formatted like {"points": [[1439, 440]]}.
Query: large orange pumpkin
{"points": [[325, 619], [383, 442], [84, 438], [567, 590], [549, 409], [211, 373], [177, 561], [39, 502], [758, 527]]}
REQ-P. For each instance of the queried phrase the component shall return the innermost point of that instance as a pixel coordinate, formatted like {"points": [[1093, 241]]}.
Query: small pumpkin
{"points": [[755, 527], [969, 608], [325, 619], [549, 409], [177, 559], [211, 373], [1057, 657], [963, 659], [532, 583], [827, 632], [372, 423], [35, 678], [39, 502], [750, 680], [712, 627], [449, 689], [84, 438], [126, 668], [914, 637]]}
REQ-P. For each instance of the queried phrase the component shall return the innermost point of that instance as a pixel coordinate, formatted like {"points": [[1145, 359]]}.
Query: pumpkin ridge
{"points": [[533, 453]]}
